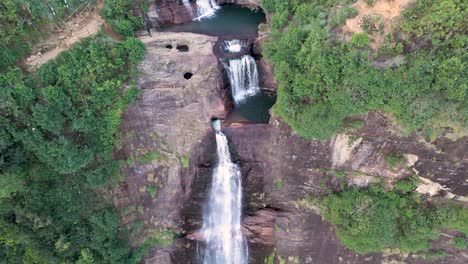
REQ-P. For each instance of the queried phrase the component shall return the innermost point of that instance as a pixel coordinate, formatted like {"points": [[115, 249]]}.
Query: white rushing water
{"points": [[206, 8], [224, 242], [234, 46], [188, 6], [243, 76]]}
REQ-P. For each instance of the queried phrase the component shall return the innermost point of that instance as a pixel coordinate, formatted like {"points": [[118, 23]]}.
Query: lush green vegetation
{"points": [[460, 243], [323, 80], [120, 14], [22, 22], [58, 127], [374, 219]]}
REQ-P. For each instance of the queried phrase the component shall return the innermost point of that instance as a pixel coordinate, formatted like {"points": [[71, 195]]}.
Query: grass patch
{"points": [[279, 184], [184, 160], [136, 226], [460, 243], [395, 159], [153, 191]]}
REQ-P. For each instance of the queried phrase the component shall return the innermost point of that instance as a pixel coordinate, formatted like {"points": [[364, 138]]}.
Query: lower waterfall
{"points": [[243, 76], [224, 242]]}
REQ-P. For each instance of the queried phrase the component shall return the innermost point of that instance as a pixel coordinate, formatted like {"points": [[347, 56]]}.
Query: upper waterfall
{"points": [[188, 6], [206, 8], [224, 241], [243, 76]]}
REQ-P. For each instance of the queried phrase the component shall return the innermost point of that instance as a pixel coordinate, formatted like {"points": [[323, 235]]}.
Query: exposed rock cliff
{"points": [[165, 190], [163, 129], [283, 171]]}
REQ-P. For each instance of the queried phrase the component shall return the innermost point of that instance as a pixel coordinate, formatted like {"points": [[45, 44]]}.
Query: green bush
{"points": [[444, 22], [460, 243], [152, 190], [342, 15], [360, 40], [120, 14], [395, 159]]}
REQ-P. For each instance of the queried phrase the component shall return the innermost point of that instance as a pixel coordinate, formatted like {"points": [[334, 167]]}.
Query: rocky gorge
{"points": [[183, 86]]}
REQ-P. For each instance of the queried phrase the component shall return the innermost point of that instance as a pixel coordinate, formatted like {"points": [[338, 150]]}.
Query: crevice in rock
{"points": [[182, 48], [169, 46]]}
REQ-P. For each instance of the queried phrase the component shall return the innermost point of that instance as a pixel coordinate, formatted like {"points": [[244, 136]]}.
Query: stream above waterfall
{"points": [[229, 20]]}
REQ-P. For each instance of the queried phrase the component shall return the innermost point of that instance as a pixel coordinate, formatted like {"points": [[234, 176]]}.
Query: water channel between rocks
{"points": [[231, 22], [237, 28]]}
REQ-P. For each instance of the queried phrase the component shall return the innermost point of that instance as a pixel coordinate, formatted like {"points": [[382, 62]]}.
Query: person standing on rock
{"points": [[148, 25]]}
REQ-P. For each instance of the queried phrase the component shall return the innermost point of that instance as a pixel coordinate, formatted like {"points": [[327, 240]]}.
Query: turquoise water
{"points": [[229, 20]]}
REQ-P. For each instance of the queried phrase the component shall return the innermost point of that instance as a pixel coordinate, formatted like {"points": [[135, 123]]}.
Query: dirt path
{"points": [[86, 23]]}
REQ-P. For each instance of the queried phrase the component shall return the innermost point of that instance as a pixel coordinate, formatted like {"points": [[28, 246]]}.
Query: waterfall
{"points": [[224, 242], [188, 6], [234, 46], [243, 76], [206, 8]]}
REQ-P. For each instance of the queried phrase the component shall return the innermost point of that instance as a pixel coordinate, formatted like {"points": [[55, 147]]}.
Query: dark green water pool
{"points": [[255, 108], [229, 20]]}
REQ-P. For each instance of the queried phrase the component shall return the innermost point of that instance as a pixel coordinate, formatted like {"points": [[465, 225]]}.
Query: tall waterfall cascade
{"points": [[243, 77], [224, 242], [206, 8]]}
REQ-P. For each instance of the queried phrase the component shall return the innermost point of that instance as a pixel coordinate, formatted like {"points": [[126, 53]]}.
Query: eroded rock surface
{"points": [[281, 171], [162, 130]]}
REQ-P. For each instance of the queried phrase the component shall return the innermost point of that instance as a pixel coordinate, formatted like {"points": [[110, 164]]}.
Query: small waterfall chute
{"points": [[206, 8], [224, 242], [188, 6], [243, 76], [234, 46]]}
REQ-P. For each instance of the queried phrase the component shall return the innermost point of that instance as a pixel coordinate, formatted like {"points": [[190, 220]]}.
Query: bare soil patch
{"points": [[385, 11]]}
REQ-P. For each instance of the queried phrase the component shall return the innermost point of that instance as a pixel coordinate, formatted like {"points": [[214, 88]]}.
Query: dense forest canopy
{"points": [[58, 129], [324, 79]]}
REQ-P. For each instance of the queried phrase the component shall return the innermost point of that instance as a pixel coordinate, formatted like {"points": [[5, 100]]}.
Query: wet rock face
{"points": [[282, 171], [169, 11], [163, 133], [175, 12]]}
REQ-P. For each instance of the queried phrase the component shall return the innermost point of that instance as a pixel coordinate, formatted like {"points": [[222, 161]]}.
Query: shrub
{"points": [[372, 24], [460, 243], [360, 40], [342, 15], [395, 159], [152, 190], [119, 14]]}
